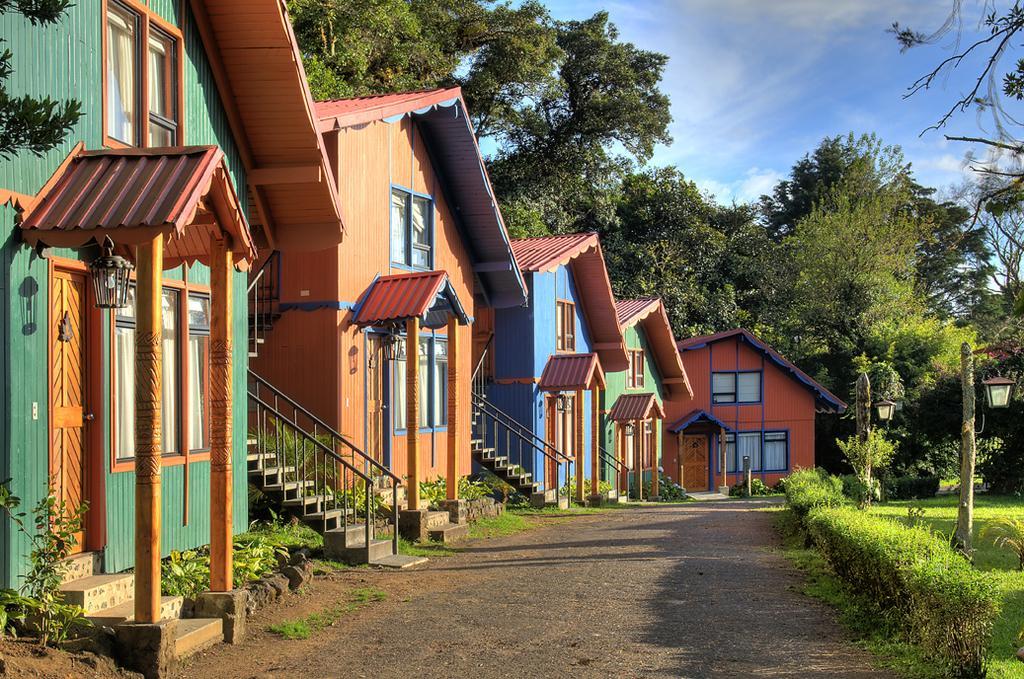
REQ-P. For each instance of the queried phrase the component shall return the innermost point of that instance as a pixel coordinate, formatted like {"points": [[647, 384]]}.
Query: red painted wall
{"points": [[787, 405]]}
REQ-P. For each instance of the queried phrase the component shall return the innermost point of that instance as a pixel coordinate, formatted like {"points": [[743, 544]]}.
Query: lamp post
{"points": [[885, 409], [999, 391]]}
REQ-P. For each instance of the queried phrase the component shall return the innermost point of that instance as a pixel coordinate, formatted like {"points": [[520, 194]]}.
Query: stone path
{"points": [[692, 590]]}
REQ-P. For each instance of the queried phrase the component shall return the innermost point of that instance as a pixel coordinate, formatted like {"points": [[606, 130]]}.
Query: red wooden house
{"points": [[748, 401]]}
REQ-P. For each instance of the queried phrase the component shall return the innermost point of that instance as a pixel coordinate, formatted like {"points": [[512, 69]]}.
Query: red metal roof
{"points": [[571, 372], [630, 407], [825, 398], [546, 253], [347, 112], [132, 195], [392, 299], [650, 313], [632, 310]]}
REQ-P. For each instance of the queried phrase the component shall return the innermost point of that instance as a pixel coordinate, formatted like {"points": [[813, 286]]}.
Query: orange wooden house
{"points": [[374, 336]]}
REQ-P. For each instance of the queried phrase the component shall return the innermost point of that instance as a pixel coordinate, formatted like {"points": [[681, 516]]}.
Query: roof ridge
{"points": [[424, 90]]}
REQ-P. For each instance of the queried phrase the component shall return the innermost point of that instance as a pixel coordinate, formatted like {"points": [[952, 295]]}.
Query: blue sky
{"points": [[756, 84]]}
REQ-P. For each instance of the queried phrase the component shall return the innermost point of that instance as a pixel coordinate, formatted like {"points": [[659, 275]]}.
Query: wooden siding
{"points": [[24, 285]]}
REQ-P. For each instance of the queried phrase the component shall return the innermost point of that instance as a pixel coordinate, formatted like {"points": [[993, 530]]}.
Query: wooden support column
{"points": [[620, 455], [722, 450], [639, 445], [412, 411], [595, 440], [655, 429], [221, 393], [148, 449], [580, 446], [454, 412]]}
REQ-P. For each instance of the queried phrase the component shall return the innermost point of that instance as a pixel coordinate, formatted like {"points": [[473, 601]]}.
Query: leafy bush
{"points": [[809, 488], [255, 555], [855, 489], [473, 490], [867, 456], [187, 573], [928, 589], [910, 487], [569, 489], [999, 465], [758, 488], [1007, 533]]}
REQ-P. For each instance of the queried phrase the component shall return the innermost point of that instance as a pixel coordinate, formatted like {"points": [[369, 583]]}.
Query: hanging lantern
{"points": [[885, 409], [629, 429], [389, 346], [999, 391], [111, 276], [562, 403]]}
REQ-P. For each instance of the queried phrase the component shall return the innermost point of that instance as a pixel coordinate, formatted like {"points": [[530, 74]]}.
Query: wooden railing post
{"points": [[221, 533], [655, 431], [580, 447], [454, 406], [412, 411], [595, 440], [148, 428]]}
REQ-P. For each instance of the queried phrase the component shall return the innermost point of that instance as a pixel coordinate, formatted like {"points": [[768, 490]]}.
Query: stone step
{"points": [[449, 533], [436, 519], [399, 561], [170, 607], [197, 634], [98, 592], [82, 566]]}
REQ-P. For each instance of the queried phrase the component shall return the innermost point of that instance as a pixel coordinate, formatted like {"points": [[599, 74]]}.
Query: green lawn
{"points": [[940, 514]]}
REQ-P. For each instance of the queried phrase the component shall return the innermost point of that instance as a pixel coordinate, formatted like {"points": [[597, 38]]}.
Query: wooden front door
{"points": [[69, 408], [375, 403], [695, 463]]}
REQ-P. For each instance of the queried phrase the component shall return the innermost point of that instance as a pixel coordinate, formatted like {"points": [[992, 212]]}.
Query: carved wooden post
{"points": [[412, 411], [638, 457], [622, 477], [655, 428], [723, 450], [964, 536], [454, 416], [148, 449], [580, 446], [595, 440], [221, 269]]}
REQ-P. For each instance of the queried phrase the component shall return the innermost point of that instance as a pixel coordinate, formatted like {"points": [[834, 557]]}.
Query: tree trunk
{"points": [[863, 431], [968, 452]]}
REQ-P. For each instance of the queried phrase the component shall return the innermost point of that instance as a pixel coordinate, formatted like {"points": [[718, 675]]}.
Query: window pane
{"points": [[124, 393], [775, 451], [559, 327], [169, 412], [159, 135], [421, 209], [398, 401], [198, 312], [441, 381], [128, 312], [399, 224], [425, 401], [750, 445], [162, 89], [730, 453], [748, 386], [723, 386], [198, 388], [638, 359], [121, 74]]}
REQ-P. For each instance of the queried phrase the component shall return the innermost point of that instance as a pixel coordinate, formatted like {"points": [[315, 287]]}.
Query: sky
{"points": [[756, 84]]}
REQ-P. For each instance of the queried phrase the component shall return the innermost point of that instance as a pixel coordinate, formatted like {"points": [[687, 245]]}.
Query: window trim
{"points": [[183, 288], [431, 341], [431, 228], [564, 310], [736, 388], [636, 378], [786, 434], [146, 18], [737, 463]]}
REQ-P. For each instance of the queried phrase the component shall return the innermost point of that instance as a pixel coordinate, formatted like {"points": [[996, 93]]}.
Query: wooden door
{"points": [[695, 462], [375, 410], [69, 413], [551, 436]]}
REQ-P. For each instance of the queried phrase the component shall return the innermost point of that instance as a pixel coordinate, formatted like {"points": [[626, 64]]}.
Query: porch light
{"points": [[885, 409], [629, 429], [562, 403], [389, 346], [999, 391], [110, 278]]}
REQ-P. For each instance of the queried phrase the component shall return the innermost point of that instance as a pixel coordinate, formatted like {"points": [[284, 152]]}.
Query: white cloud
{"points": [[755, 183]]}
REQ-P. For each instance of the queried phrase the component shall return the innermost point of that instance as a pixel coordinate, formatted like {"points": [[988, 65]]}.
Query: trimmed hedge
{"points": [[807, 489], [911, 487], [933, 593]]}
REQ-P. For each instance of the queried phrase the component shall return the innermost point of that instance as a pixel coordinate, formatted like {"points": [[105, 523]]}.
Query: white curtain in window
{"points": [[441, 382], [169, 411], [124, 390], [749, 444], [629, 452], [399, 244], [398, 399], [775, 451], [425, 401], [120, 75], [730, 453], [421, 232], [748, 386], [198, 352]]}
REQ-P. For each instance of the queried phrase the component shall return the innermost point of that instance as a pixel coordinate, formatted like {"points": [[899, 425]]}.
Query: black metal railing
{"points": [[608, 460], [317, 467], [263, 300]]}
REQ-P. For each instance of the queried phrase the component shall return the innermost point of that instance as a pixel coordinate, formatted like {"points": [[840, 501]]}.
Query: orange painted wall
{"points": [[787, 405], [318, 355]]}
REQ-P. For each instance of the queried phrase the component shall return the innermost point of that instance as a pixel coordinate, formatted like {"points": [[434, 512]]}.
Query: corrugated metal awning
{"points": [[571, 372], [630, 407], [427, 295], [132, 195]]}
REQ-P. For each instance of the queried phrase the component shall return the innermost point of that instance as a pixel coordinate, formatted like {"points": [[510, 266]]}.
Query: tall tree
{"points": [[29, 123]]}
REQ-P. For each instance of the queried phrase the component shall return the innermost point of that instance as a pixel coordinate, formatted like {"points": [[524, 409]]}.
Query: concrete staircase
{"points": [[108, 601], [441, 529]]}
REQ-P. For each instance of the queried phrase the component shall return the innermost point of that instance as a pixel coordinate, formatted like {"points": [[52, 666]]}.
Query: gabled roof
{"points": [[696, 417], [444, 121], [650, 312], [825, 399], [581, 252], [630, 407], [427, 295], [258, 71], [571, 372], [132, 195]]}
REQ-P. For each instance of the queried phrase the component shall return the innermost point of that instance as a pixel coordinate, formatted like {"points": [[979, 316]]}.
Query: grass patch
{"points": [[290, 535], [427, 549], [304, 628], [940, 514], [858, 614], [507, 523]]}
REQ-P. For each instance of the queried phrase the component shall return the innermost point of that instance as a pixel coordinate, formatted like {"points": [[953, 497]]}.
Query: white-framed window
{"points": [[736, 387], [637, 364], [565, 326], [412, 229], [433, 369], [198, 372]]}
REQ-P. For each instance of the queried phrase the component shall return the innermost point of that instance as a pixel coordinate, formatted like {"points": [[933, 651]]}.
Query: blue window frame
{"points": [[736, 387], [768, 451], [412, 229], [433, 360]]}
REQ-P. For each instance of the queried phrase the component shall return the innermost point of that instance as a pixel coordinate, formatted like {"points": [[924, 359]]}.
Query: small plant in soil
{"points": [[304, 628]]}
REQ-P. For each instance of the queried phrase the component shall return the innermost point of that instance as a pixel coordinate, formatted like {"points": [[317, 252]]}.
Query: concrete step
{"points": [[197, 634], [399, 561], [98, 592], [82, 566], [170, 607], [355, 552], [449, 533]]}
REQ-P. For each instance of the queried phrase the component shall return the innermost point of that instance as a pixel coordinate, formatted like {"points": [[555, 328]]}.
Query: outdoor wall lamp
{"points": [[999, 391], [885, 409], [562, 403], [629, 429], [111, 278]]}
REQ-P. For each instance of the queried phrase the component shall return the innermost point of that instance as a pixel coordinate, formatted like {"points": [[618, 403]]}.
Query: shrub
{"points": [[867, 456], [757, 488], [1007, 533], [910, 487], [809, 488], [932, 592], [855, 489]]}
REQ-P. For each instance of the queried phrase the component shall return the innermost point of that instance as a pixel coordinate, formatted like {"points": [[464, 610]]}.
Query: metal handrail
{"points": [[609, 458], [522, 430]]}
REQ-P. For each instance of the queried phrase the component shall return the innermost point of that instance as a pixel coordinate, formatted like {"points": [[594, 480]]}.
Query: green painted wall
{"points": [[635, 339], [64, 61]]}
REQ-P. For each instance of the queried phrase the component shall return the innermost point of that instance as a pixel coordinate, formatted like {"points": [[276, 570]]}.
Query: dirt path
{"points": [[674, 591]]}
